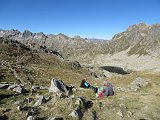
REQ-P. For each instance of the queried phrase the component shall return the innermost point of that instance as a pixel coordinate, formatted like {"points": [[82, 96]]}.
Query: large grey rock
{"points": [[40, 100], [12, 86], [4, 86], [57, 86], [138, 83], [35, 87], [19, 89]]}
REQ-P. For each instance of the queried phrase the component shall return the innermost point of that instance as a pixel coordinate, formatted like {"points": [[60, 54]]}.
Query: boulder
{"points": [[40, 100], [57, 86], [4, 86], [34, 88], [138, 83], [19, 89], [12, 86]]}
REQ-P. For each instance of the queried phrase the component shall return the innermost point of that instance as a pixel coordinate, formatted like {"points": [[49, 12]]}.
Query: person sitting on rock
{"points": [[105, 90]]}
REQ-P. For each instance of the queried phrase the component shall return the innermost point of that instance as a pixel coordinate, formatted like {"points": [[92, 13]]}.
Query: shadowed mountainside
{"points": [[21, 64]]}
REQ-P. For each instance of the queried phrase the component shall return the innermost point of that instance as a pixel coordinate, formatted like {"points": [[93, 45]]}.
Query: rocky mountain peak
{"points": [[14, 31], [6, 33], [142, 24], [138, 26], [27, 34], [61, 36], [39, 35]]}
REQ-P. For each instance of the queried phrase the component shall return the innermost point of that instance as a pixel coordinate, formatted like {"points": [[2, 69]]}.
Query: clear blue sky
{"points": [[87, 18]]}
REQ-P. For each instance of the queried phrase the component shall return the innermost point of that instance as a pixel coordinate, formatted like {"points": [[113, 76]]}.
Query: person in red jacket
{"points": [[105, 90]]}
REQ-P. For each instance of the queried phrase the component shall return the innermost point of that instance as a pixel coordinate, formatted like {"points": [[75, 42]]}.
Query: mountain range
{"points": [[137, 43]]}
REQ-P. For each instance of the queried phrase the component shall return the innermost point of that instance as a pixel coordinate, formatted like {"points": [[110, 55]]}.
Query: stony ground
{"points": [[140, 104]]}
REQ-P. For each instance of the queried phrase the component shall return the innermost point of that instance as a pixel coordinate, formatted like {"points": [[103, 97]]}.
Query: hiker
{"points": [[105, 90]]}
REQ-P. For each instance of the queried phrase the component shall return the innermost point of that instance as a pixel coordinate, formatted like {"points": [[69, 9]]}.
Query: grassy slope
{"points": [[144, 104], [35, 68]]}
